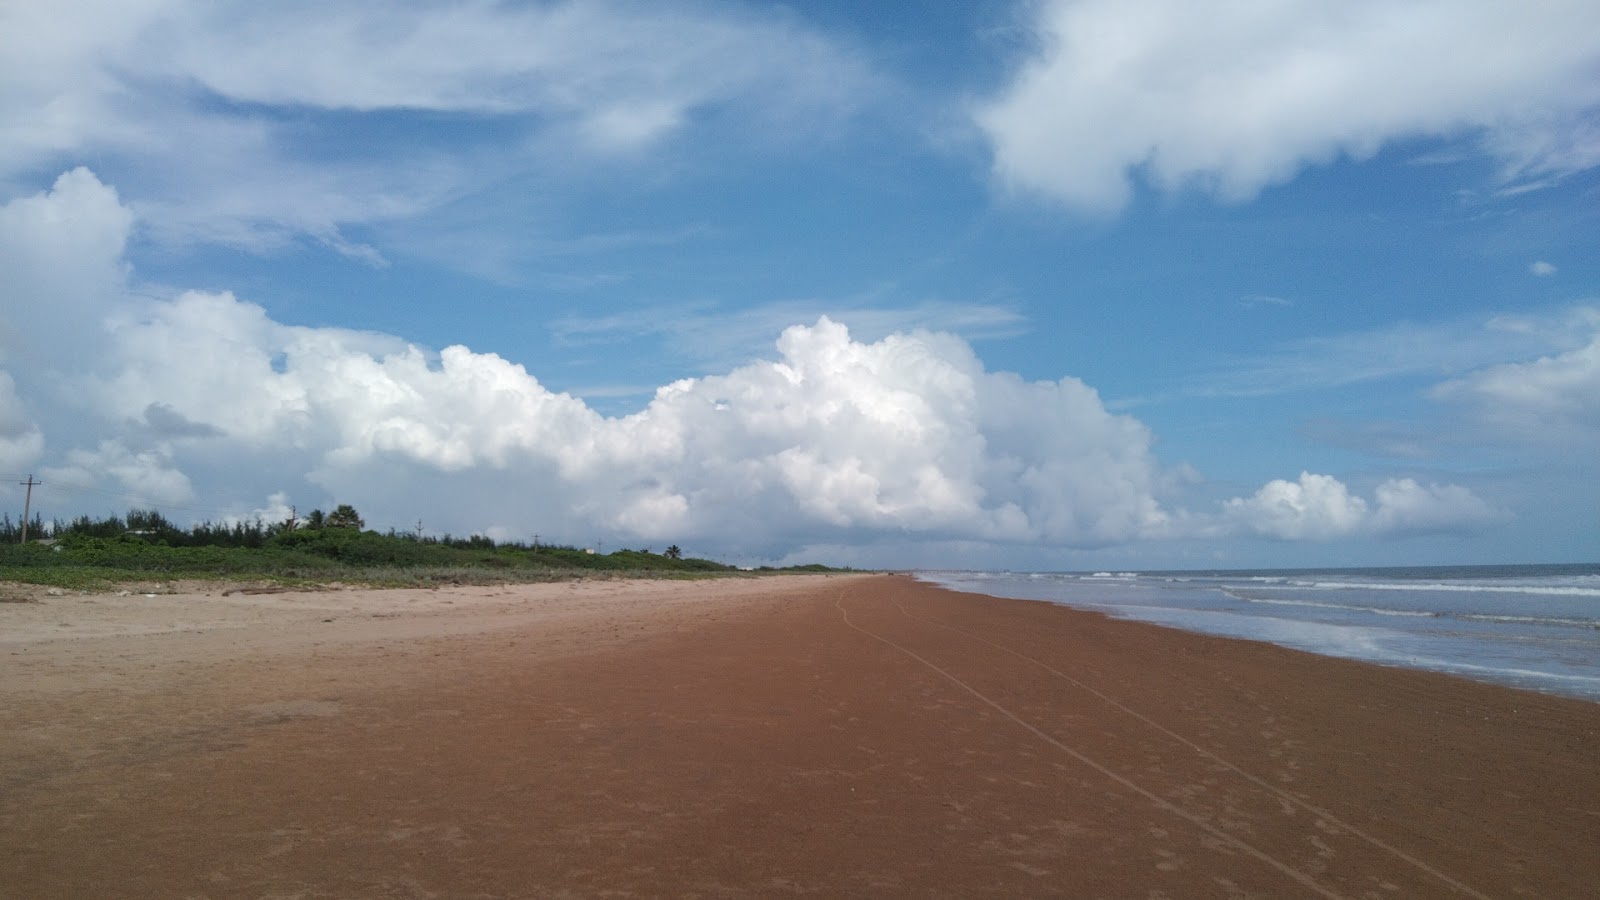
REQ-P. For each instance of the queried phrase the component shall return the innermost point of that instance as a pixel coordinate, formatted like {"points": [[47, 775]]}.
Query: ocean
{"points": [[1534, 626]]}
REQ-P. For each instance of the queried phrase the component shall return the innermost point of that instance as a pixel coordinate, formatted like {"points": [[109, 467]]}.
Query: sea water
{"points": [[1535, 627]]}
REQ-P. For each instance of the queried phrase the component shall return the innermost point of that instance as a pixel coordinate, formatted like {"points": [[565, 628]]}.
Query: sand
{"points": [[830, 736]]}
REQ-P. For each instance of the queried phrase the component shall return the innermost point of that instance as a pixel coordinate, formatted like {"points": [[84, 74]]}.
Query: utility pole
{"points": [[419, 531], [27, 505]]}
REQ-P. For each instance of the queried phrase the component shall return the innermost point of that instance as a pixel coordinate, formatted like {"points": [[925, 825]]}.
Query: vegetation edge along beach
{"points": [[145, 548]]}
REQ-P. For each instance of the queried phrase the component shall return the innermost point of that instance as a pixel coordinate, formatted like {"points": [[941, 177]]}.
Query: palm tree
{"points": [[345, 516], [674, 553]]}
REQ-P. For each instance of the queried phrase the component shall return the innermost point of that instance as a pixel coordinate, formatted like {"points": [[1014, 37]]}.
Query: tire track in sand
{"points": [[1165, 804], [1256, 780]]}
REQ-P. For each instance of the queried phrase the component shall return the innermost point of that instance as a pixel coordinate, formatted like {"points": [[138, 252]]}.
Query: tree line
{"points": [[156, 528], [150, 526]]}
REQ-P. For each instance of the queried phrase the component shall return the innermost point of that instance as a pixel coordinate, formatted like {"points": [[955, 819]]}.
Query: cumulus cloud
{"points": [[1316, 506], [1542, 269], [1320, 507], [277, 509], [202, 400], [62, 254], [1233, 97], [21, 441], [908, 434], [1406, 506]]}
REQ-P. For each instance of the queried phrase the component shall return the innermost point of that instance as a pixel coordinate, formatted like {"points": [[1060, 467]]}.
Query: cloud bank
{"points": [[1232, 97], [201, 398]]}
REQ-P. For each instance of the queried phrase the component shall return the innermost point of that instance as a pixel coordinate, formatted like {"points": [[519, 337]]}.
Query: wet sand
{"points": [[832, 736]]}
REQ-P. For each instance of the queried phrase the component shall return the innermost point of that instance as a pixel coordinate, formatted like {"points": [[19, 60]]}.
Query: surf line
{"points": [[1253, 779], [1158, 800]]}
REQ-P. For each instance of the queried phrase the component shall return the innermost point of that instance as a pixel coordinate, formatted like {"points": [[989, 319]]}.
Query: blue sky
{"points": [[1036, 285]]}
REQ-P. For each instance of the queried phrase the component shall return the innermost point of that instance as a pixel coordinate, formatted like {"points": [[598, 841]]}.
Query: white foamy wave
{"points": [[1466, 588], [1560, 621], [1509, 672], [1538, 629], [1341, 606], [1531, 620]]}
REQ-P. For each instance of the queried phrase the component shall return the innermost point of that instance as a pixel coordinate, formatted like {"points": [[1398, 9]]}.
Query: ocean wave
{"points": [[1529, 620], [1499, 618], [1343, 606], [1441, 586], [1532, 630], [1530, 674]]}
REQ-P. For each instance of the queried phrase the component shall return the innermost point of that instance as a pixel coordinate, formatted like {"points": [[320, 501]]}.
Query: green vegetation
{"points": [[86, 554]]}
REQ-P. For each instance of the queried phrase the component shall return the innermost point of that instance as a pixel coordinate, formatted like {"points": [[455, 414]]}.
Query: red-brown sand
{"points": [[838, 736]]}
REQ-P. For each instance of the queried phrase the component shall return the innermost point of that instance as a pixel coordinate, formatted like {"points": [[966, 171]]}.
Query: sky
{"points": [[1055, 285]]}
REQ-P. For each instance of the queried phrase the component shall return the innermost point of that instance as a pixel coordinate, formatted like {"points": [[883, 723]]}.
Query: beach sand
{"points": [[832, 736]]}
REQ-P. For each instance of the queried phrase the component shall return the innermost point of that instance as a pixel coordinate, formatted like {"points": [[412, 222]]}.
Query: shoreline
{"points": [[1527, 627], [845, 735]]}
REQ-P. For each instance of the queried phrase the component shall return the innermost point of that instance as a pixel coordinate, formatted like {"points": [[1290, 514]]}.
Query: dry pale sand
{"points": [[829, 736]]}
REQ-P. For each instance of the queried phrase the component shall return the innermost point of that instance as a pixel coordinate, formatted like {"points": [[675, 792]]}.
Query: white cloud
{"points": [[277, 509], [1405, 350], [21, 441], [1406, 506], [1542, 269], [140, 476], [1320, 507], [628, 72], [1236, 96], [1264, 300], [724, 337], [61, 252], [905, 434], [1316, 506], [908, 434], [246, 124], [202, 399], [1547, 399]]}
